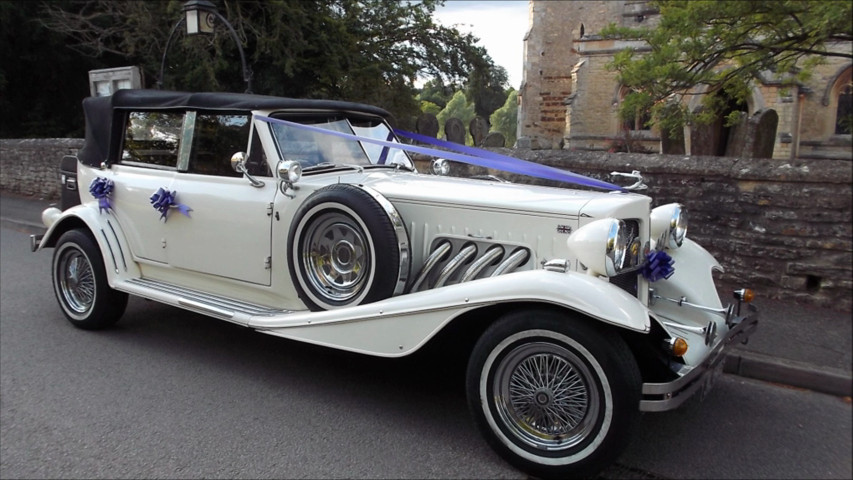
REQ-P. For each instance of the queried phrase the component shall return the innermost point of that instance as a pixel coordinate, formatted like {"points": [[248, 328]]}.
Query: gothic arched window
{"points": [[844, 110]]}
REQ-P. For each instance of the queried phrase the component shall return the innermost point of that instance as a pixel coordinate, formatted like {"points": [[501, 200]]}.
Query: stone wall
{"points": [[31, 166], [782, 228]]}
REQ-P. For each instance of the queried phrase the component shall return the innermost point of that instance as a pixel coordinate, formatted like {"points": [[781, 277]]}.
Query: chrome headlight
{"points": [[669, 225], [602, 246]]}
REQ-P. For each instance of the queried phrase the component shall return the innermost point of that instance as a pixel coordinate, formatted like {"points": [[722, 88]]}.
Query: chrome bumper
{"points": [[660, 397], [35, 242]]}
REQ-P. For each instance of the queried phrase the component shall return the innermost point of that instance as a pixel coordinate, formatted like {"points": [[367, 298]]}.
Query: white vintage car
{"points": [[306, 219]]}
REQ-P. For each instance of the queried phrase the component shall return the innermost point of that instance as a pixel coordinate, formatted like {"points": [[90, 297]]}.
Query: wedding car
{"points": [[307, 219]]}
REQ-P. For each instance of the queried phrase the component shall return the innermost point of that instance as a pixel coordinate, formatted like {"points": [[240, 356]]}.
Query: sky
{"points": [[500, 26]]}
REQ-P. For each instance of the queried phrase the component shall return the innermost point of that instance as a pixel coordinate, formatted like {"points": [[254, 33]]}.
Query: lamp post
{"points": [[200, 17]]}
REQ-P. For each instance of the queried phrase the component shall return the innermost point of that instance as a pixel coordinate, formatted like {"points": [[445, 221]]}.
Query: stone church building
{"points": [[568, 99]]}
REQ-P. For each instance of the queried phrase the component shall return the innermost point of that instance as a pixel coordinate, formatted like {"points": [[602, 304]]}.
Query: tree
{"points": [[436, 92], [457, 107], [40, 87], [486, 85], [719, 48], [505, 119], [361, 50]]}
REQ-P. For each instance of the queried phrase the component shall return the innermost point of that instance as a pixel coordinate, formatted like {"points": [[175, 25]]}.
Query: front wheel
{"points": [[553, 394], [80, 283]]}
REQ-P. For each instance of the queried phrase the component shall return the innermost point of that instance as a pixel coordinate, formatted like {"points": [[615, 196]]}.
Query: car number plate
{"points": [[711, 378]]}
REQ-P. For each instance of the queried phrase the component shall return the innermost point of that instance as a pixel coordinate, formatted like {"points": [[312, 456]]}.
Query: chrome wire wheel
{"points": [[76, 280], [543, 395], [336, 256]]}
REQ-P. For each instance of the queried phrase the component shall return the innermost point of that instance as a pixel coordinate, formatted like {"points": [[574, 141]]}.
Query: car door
{"points": [[227, 229]]}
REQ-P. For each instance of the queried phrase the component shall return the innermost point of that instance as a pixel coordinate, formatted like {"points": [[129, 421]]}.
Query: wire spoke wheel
{"points": [[553, 393], [543, 396], [76, 280], [80, 282]]}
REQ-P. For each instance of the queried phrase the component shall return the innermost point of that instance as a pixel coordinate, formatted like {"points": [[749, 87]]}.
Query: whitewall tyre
{"points": [[345, 249], [80, 283], [554, 394]]}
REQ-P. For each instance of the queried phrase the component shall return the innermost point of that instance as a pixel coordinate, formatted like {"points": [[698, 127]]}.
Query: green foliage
{"points": [[719, 48], [429, 107], [486, 85], [505, 119], [457, 107], [368, 51], [436, 92]]}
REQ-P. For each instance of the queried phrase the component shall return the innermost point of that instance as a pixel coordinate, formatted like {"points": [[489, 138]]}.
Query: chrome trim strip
{"points": [[205, 308], [110, 247], [491, 256], [402, 237], [463, 256], [439, 253], [208, 301], [118, 244], [660, 397]]}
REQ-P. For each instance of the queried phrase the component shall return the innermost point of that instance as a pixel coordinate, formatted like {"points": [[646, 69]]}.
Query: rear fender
{"points": [[106, 231]]}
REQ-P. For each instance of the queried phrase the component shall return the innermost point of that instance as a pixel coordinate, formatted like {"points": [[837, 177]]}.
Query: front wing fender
{"points": [[400, 325]]}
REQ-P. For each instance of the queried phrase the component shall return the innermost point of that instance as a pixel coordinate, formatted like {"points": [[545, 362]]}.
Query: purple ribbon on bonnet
{"points": [[163, 200], [658, 265]]}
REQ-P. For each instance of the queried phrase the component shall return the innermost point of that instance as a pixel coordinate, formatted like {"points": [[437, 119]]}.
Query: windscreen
{"points": [[311, 148]]}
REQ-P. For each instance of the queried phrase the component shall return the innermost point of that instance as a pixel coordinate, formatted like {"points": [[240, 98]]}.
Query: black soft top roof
{"points": [[104, 127]]}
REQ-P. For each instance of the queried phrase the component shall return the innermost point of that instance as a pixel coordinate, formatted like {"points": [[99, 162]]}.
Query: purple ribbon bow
{"points": [[658, 265], [163, 200], [102, 188]]}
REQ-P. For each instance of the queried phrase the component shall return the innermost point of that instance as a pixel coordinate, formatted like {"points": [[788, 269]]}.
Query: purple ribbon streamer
{"points": [[102, 188], [469, 155], [163, 200], [658, 265]]}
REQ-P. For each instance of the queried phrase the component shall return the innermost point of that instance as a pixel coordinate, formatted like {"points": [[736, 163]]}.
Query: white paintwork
{"points": [[692, 279], [221, 250]]}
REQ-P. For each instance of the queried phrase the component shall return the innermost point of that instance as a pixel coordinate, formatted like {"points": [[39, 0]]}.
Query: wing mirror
{"points": [[238, 163]]}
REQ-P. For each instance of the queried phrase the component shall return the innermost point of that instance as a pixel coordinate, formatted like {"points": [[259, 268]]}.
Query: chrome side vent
{"points": [[462, 260], [453, 265], [509, 265], [491, 257], [440, 253]]}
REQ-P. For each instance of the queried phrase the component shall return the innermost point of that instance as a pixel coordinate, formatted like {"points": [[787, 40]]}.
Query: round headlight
{"points": [[289, 171], [669, 225], [601, 246]]}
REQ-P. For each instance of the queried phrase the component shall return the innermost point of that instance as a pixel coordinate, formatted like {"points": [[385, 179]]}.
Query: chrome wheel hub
{"points": [[336, 256]]}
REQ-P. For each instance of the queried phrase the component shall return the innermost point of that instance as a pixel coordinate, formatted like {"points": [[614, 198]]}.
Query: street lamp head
{"points": [[200, 16]]}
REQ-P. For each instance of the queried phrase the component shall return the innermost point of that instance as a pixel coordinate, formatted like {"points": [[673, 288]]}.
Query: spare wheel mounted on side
{"points": [[348, 246]]}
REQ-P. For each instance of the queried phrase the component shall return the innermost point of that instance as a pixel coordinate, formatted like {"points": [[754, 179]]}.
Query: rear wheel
{"points": [[552, 394], [80, 283]]}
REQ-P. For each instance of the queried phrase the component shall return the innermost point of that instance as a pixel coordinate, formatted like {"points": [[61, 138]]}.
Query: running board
{"points": [[206, 303]]}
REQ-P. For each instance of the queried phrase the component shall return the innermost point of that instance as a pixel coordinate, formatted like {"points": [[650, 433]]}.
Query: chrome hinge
{"points": [[269, 210], [267, 263]]}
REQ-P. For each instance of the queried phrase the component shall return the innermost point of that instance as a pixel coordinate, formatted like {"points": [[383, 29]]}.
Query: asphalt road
{"points": [[171, 394]]}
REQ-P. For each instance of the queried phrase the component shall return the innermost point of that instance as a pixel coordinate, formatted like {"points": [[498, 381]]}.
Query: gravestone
{"points": [[494, 139], [427, 124], [762, 133], [454, 130], [479, 128]]}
